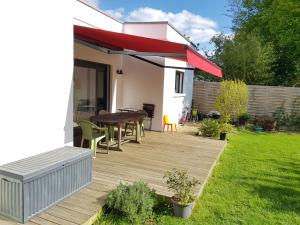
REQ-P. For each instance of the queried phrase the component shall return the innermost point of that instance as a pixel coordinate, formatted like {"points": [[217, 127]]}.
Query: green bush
{"points": [[226, 128], [289, 120], [135, 201], [282, 117], [232, 99], [266, 122], [244, 116], [209, 128], [295, 114]]}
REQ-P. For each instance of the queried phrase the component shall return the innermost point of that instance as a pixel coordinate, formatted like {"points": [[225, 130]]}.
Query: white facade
{"points": [[141, 82], [35, 77], [36, 82]]}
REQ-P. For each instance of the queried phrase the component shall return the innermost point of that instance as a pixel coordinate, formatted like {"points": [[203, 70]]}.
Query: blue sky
{"points": [[198, 19]]}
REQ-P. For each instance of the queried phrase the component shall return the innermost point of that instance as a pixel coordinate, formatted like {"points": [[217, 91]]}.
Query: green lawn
{"points": [[257, 181]]}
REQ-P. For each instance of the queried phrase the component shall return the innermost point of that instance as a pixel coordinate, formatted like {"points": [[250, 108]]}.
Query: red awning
{"points": [[120, 41]]}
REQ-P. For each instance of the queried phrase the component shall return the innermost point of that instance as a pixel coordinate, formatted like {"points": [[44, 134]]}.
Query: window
{"points": [[179, 82]]}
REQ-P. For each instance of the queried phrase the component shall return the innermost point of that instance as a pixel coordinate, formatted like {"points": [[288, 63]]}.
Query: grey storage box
{"points": [[31, 185]]}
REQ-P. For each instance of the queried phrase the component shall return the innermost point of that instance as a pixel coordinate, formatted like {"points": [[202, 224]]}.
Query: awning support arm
{"points": [[162, 66]]}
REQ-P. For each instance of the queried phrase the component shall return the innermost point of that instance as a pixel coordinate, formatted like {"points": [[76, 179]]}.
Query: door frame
{"points": [[107, 77]]}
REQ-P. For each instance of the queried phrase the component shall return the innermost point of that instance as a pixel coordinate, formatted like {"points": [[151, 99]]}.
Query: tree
{"points": [[277, 23], [244, 58]]}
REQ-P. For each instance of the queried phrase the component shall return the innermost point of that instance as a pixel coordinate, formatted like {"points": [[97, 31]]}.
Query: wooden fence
{"points": [[263, 100]]}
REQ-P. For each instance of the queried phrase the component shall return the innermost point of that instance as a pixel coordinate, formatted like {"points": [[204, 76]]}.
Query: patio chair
{"points": [[132, 126], [195, 115], [111, 129], [168, 124], [93, 134]]}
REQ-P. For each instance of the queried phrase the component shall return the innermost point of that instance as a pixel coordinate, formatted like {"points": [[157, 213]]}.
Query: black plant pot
{"points": [[223, 136], [242, 122]]}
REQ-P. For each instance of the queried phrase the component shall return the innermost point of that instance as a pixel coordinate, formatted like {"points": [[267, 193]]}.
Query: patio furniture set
{"points": [[102, 126]]}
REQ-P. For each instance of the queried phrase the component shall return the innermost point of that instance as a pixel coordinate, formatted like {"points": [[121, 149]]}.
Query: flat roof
{"points": [[162, 22], [85, 2]]}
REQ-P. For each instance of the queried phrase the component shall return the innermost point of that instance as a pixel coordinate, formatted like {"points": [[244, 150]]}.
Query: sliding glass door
{"points": [[91, 89]]}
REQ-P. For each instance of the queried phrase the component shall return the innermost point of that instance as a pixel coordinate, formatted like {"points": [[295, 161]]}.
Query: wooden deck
{"points": [[147, 161]]}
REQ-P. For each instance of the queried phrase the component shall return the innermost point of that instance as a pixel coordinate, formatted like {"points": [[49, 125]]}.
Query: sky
{"points": [[198, 19]]}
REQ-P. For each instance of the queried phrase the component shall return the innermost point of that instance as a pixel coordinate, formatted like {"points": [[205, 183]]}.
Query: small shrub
{"points": [[282, 117], [266, 122], [244, 116], [209, 128], [226, 128], [181, 184], [258, 121], [295, 114], [232, 99], [269, 124], [135, 201]]}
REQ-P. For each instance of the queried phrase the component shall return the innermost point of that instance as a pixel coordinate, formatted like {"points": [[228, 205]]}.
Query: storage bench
{"points": [[31, 185]]}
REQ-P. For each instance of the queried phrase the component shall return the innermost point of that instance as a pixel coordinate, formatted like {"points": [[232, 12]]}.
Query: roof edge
{"points": [[161, 22], [99, 10]]}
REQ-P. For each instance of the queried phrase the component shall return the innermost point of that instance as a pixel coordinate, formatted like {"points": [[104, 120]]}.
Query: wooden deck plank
{"points": [[55, 219], [147, 161]]}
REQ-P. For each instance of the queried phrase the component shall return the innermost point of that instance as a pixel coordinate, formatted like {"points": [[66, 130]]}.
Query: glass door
{"points": [[91, 89]]}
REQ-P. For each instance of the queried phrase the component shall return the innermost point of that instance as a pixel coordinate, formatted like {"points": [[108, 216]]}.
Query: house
{"points": [[39, 56], [63, 61]]}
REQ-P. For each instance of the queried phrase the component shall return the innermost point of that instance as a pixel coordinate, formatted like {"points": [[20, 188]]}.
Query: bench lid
{"points": [[40, 164]]}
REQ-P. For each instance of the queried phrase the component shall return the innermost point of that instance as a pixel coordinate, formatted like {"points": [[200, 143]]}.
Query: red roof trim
{"points": [[121, 41]]}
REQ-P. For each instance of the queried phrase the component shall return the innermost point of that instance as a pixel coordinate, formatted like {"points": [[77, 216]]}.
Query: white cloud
{"points": [[198, 28], [116, 13]]}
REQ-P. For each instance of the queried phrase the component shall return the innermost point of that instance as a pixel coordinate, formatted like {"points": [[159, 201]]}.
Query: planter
{"points": [[223, 136], [243, 122], [258, 129], [183, 211], [270, 125]]}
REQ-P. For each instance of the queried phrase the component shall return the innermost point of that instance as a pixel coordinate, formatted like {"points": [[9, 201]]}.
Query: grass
{"points": [[257, 181]]}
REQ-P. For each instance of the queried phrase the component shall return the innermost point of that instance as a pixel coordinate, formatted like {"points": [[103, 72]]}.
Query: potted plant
{"points": [[225, 128], [182, 185], [258, 122], [244, 118], [269, 123]]}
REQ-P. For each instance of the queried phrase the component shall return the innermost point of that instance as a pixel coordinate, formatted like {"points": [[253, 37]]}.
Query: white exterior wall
{"points": [[168, 102], [173, 102], [85, 15], [150, 30], [36, 77], [36, 87], [115, 62], [143, 83]]}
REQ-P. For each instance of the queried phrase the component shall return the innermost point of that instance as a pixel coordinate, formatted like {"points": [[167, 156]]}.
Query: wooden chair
{"points": [[93, 134], [168, 124], [131, 126]]}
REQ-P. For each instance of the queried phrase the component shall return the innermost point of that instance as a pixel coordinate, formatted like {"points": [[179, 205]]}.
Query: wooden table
{"points": [[120, 119]]}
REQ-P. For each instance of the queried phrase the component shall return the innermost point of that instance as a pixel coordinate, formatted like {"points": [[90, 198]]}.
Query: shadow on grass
{"points": [[280, 186]]}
